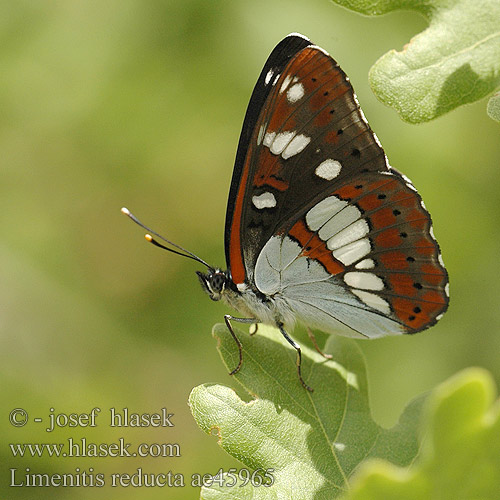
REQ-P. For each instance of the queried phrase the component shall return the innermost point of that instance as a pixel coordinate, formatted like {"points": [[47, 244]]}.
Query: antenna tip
{"points": [[148, 237], [125, 211]]}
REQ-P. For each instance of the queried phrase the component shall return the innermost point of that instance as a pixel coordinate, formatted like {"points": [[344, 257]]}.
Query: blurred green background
{"points": [[140, 103]]}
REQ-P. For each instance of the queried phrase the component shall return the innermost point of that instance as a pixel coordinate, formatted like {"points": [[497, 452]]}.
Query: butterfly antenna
{"points": [[183, 252]]}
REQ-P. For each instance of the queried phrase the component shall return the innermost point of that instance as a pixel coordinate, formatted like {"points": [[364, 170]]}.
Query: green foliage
{"points": [[314, 442], [461, 454], [455, 61]]}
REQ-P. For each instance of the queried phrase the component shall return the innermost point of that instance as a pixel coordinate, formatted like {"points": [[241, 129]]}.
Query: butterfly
{"points": [[319, 228]]}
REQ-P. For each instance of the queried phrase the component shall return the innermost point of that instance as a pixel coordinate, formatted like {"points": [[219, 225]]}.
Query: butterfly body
{"points": [[319, 228], [247, 300]]}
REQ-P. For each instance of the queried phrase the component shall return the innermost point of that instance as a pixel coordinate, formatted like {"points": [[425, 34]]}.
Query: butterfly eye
{"points": [[213, 283], [217, 281]]}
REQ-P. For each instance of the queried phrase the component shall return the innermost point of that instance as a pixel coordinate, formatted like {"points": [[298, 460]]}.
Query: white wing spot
{"points": [[372, 300], [336, 223], [262, 131], [328, 169], [281, 141], [349, 234], [269, 138], [295, 92], [285, 83], [269, 75], [447, 289], [366, 281], [365, 264], [363, 117], [324, 211], [264, 200], [379, 145], [409, 183], [352, 252], [297, 144]]}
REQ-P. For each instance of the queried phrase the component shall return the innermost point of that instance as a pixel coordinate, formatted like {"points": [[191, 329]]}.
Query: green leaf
{"points": [[494, 107], [313, 441], [455, 61], [460, 458]]}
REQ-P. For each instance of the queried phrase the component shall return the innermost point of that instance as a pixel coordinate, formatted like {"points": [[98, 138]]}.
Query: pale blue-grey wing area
{"points": [[317, 298]]}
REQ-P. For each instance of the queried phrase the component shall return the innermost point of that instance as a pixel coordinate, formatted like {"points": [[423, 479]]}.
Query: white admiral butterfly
{"points": [[319, 227]]}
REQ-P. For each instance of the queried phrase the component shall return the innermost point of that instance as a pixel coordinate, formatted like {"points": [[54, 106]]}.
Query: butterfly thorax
{"points": [[247, 299]]}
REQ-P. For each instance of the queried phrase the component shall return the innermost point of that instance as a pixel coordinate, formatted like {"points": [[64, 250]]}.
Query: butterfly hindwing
{"points": [[373, 240]]}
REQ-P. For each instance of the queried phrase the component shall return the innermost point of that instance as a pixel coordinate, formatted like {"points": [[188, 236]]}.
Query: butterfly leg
{"points": [[299, 356], [228, 318], [315, 344]]}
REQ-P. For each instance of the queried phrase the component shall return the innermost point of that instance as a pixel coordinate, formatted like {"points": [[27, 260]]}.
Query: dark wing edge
{"points": [[276, 62]]}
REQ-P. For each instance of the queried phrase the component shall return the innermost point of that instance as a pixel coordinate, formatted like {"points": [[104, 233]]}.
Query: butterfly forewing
{"points": [[309, 121], [316, 214]]}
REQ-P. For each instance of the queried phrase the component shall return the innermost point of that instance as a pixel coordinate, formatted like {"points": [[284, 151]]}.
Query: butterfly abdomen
{"points": [[270, 310]]}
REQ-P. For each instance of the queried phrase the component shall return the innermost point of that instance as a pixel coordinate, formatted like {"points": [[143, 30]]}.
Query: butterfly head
{"points": [[215, 282]]}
